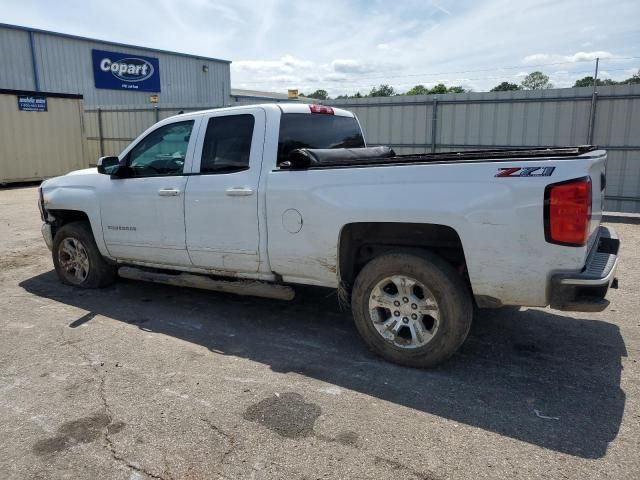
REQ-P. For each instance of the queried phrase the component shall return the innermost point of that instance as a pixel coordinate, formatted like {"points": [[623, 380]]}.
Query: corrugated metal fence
{"points": [[610, 118], [109, 130]]}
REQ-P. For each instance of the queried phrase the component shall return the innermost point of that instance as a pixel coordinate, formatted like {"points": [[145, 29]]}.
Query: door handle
{"points": [[168, 192], [239, 191]]}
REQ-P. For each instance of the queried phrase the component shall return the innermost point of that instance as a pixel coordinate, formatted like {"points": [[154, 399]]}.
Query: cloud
{"points": [[286, 64], [349, 46], [335, 77], [441, 8], [541, 58], [353, 66], [350, 66], [230, 13]]}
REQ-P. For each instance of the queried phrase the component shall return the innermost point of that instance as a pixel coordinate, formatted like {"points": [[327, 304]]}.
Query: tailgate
{"points": [[597, 173]]}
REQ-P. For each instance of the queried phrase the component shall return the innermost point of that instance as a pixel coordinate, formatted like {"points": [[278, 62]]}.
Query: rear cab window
{"points": [[309, 130]]}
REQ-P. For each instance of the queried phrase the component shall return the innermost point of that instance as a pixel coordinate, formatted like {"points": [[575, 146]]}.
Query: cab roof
{"points": [[288, 107]]}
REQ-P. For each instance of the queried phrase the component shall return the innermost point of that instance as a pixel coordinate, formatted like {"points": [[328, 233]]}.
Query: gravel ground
{"points": [[147, 381]]}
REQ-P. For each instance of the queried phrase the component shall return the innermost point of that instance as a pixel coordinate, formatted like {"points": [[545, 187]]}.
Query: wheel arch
{"points": [[76, 257], [362, 241]]}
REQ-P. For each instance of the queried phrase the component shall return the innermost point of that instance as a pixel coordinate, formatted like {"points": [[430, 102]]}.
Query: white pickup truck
{"points": [[255, 199]]}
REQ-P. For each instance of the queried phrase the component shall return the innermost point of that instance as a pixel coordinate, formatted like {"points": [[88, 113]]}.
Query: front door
{"points": [[221, 202], [143, 216]]}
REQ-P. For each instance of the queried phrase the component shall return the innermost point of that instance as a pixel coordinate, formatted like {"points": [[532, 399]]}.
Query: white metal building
{"points": [[249, 97], [108, 73]]}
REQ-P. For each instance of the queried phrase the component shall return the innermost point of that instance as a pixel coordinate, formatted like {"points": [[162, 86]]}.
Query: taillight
{"points": [[321, 109], [567, 212]]}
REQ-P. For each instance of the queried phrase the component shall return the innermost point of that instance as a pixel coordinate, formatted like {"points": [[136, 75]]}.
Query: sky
{"points": [[348, 46]]}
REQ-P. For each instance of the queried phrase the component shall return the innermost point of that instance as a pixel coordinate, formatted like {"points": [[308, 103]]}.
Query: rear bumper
{"points": [[585, 291]]}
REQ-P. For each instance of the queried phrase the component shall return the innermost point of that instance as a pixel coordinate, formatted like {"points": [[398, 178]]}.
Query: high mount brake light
{"points": [[321, 109], [568, 212]]}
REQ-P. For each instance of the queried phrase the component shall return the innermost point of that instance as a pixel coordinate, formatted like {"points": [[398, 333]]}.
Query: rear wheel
{"points": [[77, 260], [412, 309]]}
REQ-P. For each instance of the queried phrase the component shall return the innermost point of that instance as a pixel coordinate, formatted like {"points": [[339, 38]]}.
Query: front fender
{"points": [[81, 199]]}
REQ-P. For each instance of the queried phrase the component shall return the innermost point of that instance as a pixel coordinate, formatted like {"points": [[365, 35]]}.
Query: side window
{"points": [[227, 144], [162, 152]]}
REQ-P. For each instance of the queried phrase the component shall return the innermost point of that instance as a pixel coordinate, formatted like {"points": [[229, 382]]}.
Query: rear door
{"points": [[221, 201]]}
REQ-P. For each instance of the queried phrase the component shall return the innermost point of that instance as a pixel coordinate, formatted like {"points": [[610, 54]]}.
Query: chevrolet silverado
{"points": [[255, 199]]}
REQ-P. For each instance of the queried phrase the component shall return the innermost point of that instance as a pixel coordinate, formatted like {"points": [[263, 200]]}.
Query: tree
{"points": [[506, 87], [588, 82], [418, 90], [585, 82], [342, 97], [439, 88], [635, 78], [383, 90], [319, 94], [456, 89], [536, 81]]}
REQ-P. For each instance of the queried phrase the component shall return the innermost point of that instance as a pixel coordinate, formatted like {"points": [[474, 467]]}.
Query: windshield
{"points": [[303, 130]]}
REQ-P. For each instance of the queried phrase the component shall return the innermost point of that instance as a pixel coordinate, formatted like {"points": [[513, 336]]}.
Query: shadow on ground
{"points": [[533, 375]]}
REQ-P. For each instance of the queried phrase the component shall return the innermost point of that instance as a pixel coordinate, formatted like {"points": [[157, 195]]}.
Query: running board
{"points": [[239, 287]]}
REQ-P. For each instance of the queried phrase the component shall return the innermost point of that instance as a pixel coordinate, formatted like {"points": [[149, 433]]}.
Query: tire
{"points": [[446, 303], [77, 260]]}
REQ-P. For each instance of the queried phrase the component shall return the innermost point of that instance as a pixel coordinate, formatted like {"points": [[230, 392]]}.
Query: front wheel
{"points": [[413, 310], [77, 260]]}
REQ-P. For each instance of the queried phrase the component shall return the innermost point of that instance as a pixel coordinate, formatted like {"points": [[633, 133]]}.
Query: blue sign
{"points": [[125, 71], [31, 103]]}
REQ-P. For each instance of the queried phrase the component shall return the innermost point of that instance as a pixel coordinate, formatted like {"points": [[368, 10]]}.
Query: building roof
{"points": [[239, 92], [108, 42], [11, 91]]}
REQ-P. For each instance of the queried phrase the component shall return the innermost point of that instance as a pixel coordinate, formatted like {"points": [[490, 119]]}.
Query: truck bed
{"points": [[331, 160]]}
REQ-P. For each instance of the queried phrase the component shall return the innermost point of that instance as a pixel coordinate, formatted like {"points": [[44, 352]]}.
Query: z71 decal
{"points": [[525, 172]]}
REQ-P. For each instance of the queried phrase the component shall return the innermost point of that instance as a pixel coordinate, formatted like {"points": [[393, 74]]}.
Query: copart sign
{"points": [[125, 71]]}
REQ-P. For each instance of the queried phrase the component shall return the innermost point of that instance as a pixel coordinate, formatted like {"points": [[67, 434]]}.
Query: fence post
{"points": [[434, 124], [100, 136], [594, 101]]}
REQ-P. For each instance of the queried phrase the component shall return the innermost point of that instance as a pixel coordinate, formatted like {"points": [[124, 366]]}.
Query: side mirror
{"points": [[108, 165], [122, 171]]}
